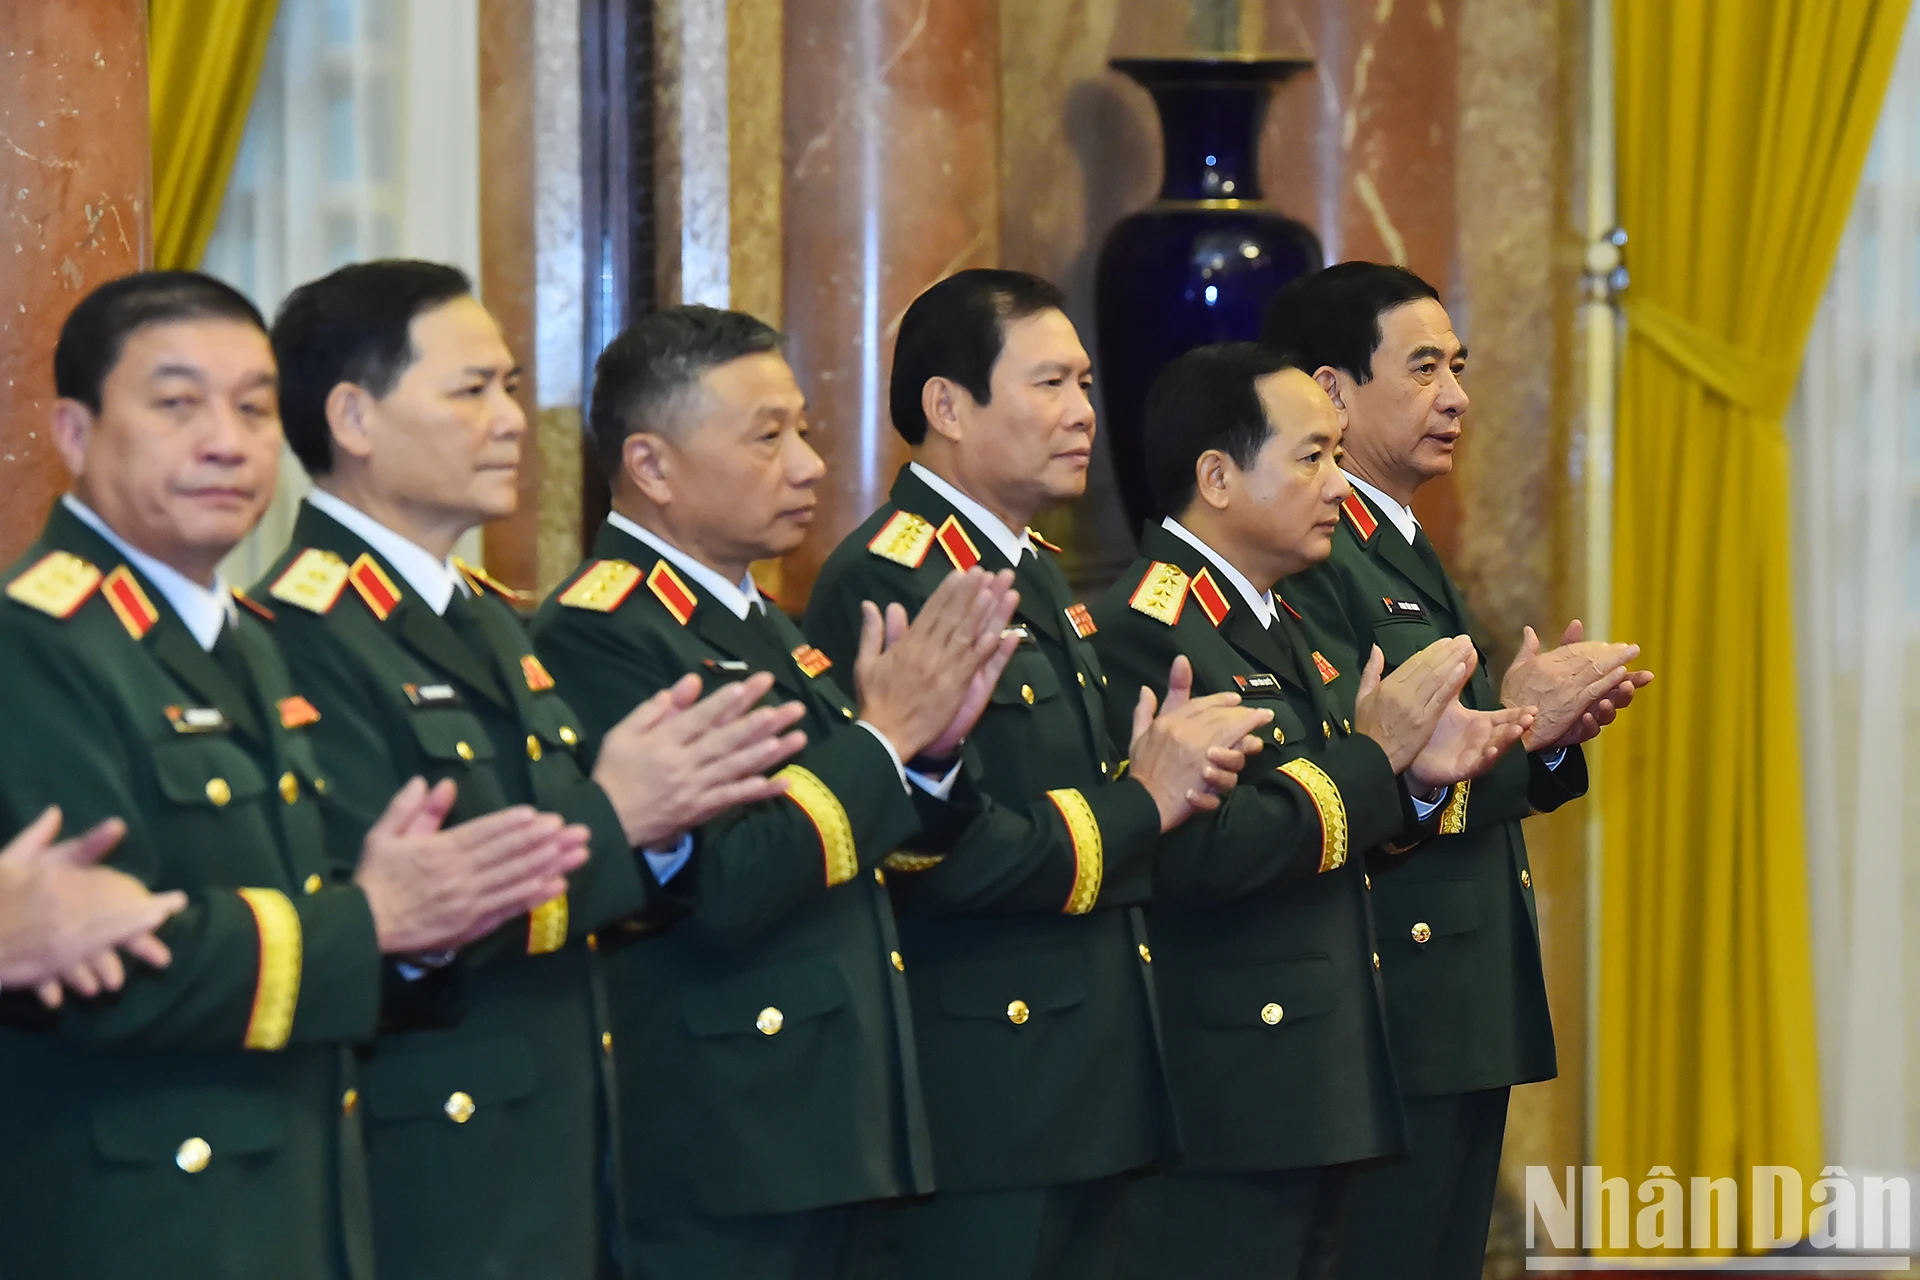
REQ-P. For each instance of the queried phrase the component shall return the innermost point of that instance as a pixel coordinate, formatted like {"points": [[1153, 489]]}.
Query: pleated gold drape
{"points": [[203, 59], [1741, 130]]}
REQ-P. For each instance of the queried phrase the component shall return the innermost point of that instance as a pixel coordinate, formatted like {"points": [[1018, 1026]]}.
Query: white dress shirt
{"points": [[738, 598], [204, 610]]}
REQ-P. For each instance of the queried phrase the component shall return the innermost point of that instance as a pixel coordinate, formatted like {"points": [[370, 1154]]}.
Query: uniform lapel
{"points": [[180, 653], [1392, 548]]}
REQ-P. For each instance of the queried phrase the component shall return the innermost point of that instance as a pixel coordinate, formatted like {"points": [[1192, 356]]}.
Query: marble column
{"points": [[893, 182], [74, 212]]}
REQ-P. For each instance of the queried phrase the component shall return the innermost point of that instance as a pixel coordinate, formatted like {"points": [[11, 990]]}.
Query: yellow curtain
{"points": [[203, 60], [1741, 130]]}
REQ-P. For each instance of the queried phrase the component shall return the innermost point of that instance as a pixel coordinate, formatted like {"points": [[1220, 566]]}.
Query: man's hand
{"points": [[434, 890], [62, 918], [1578, 688], [673, 762], [1465, 744], [1190, 753], [1402, 711], [924, 686]]}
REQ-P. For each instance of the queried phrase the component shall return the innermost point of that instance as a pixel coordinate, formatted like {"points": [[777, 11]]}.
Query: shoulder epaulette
{"points": [[374, 586], [601, 586], [1035, 536], [252, 606], [904, 539], [57, 585], [1357, 515], [1213, 601], [671, 592], [482, 582], [313, 581], [129, 602], [959, 547], [1162, 593]]}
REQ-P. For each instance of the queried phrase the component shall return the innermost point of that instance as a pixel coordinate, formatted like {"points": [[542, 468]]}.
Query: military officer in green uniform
{"points": [[485, 1138], [1028, 958], [204, 1120], [775, 1018], [1460, 955], [1276, 1041]]}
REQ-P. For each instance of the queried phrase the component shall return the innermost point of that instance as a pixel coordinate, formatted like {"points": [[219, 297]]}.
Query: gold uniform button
{"points": [[899, 961], [219, 792], [770, 1021], [1103, 682], [1146, 953], [1081, 676], [1026, 694], [1018, 1013], [462, 750], [1526, 878], [1271, 1014], [1279, 736], [567, 735], [459, 1107], [289, 787], [1367, 880], [593, 942], [349, 1102], [606, 1042], [313, 883], [880, 877], [1103, 768], [193, 1155], [320, 786], [1421, 932], [1326, 727], [1376, 962], [847, 712], [1346, 726], [533, 747]]}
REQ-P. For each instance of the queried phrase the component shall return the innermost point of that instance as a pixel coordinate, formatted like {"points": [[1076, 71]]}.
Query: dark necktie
{"points": [[760, 622], [226, 655]]}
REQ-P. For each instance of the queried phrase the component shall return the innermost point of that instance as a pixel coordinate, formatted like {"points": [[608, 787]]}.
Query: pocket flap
{"points": [[153, 1127], [1445, 907], [443, 733], [1270, 994], [796, 991], [985, 989], [555, 722], [189, 769], [403, 1081], [1028, 679]]}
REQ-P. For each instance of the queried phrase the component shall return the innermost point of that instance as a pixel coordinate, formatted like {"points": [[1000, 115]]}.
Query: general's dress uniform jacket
{"points": [[1027, 953], [773, 1023], [1276, 1038], [1466, 999], [486, 1136], [203, 1121]]}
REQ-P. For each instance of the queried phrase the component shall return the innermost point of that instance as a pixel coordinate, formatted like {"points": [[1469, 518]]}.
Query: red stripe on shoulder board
{"points": [[1363, 522]]}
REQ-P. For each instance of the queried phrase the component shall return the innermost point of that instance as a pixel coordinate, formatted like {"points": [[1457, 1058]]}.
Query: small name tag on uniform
{"points": [[1404, 608], [1258, 682], [727, 666], [1020, 633], [198, 720], [433, 695]]}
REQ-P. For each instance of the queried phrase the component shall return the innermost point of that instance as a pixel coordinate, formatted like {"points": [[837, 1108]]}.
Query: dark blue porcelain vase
{"points": [[1199, 263]]}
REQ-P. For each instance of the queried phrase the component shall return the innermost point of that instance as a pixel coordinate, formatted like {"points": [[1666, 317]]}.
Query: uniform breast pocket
{"points": [[1028, 682], [213, 792], [1264, 997], [453, 1080], [1017, 991], [1422, 918], [1400, 638], [1288, 727], [554, 725], [450, 739]]}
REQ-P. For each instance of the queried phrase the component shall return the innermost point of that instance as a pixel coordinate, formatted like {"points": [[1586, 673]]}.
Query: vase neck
{"points": [[1210, 135]]}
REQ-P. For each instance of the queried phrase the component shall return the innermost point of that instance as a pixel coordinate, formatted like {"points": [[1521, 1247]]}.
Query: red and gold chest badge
{"points": [[296, 712], [1080, 620], [538, 680], [810, 660], [1327, 672]]}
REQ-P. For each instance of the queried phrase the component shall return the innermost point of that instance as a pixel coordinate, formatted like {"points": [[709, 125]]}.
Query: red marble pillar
{"points": [[74, 211], [893, 183]]}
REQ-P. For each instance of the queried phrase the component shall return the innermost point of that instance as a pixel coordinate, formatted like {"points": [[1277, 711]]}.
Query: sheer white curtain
{"points": [[363, 142], [1854, 432]]}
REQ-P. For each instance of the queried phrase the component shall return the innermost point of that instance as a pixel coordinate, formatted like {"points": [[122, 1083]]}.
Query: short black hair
{"points": [[1206, 399], [97, 330], [657, 359], [354, 325], [1332, 317], [956, 330]]}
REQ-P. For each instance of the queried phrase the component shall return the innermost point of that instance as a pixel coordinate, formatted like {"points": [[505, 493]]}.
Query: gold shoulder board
{"points": [[602, 587], [904, 539], [58, 585], [312, 582], [1162, 593]]}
